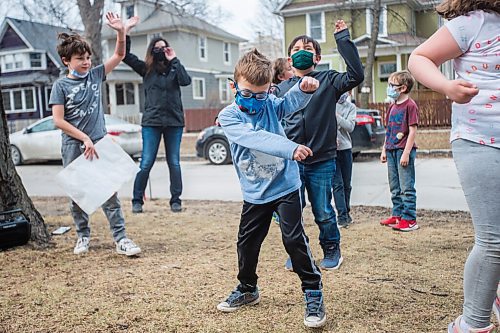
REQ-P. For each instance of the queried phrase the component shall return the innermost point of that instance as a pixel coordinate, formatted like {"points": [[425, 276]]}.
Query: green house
{"points": [[403, 26]]}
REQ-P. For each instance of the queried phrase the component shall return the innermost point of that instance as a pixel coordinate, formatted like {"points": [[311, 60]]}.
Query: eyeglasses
{"points": [[394, 85], [159, 49], [245, 93]]}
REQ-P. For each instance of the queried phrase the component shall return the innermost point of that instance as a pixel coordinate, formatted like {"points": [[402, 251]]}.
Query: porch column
{"points": [[398, 61]]}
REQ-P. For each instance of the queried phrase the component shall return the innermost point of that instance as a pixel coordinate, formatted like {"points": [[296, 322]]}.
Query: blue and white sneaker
{"points": [[315, 315], [238, 299], [333, 258]]}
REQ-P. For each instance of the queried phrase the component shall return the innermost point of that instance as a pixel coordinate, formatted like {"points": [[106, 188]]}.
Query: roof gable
{"points": [[11, 40], [36, 36]]}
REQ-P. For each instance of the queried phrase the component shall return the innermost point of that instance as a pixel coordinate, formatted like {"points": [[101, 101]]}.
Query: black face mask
{"points": [[159, 56]]}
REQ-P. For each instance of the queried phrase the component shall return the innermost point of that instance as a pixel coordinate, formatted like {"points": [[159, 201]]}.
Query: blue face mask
{"points": [[248, 102], [392, 93], [343, 98], [78, 75]]}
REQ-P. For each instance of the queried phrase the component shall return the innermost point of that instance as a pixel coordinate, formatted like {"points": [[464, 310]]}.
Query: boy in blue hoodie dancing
{"points": [[269, 176]]}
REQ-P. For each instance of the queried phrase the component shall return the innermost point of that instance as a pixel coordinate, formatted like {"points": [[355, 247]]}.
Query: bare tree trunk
{"points": [[12, 192], [370, 57]]}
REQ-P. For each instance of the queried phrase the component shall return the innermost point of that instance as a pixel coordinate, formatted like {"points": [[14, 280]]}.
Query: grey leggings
{"points": [[479, 172]]}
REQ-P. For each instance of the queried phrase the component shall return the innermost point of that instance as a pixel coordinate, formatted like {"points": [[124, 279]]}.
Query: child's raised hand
{"points": [[301, 153], [114, 21], [309, 84], [131, 22], [460, 91], [340, 25]]}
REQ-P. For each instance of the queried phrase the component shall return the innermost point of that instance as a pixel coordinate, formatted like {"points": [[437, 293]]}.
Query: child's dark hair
{"points": [[151, 63], [279, 69], [71, 45], [453, 8], [305, 39], [404, 77], [254, 67]]}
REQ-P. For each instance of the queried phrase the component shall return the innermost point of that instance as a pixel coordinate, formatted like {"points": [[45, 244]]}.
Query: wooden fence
{"points": [[432, 113]]}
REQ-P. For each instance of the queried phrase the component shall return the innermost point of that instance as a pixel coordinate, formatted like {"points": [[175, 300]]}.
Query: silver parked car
{"points": [[42, 140]]}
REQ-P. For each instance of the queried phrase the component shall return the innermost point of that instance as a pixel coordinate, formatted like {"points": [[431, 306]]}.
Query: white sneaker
{"points": [[127, 247], [82, 245]]}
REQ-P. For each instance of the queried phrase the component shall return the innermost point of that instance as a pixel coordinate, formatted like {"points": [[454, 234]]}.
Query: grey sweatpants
{"points": [[112, 208], [479, 172]]}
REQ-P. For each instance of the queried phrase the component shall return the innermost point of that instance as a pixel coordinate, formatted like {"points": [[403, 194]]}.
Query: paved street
{"points": [[438, 186]]}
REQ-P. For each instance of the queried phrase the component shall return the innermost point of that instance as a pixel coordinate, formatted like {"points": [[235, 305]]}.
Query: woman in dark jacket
{"points": [[163, 75]]}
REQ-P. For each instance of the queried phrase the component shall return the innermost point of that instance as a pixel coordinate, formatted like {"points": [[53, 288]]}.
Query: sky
{"points": [[243, 14]]}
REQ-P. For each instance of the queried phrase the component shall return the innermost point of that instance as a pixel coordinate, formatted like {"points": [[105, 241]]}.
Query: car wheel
{"points": [[355, 154], [218, 152], [17, 158]]}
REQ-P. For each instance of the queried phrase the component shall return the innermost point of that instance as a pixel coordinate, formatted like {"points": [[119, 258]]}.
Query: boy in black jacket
{"points": [[315, 126]]}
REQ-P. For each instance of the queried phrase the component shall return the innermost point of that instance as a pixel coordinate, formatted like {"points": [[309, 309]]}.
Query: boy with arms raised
{"points": [[265, 163], [316, 127]]}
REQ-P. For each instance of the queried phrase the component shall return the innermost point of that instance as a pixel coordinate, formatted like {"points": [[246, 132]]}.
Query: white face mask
{"points": [[77, 74]]}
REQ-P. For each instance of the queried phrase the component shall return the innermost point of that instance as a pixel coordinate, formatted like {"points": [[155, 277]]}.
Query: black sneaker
{"points": [[343, 223], [315, 315], [136, 208], [237, 299], [176, 207]]}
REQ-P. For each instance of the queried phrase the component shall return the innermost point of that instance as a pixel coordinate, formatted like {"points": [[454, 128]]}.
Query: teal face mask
{"points": [[302, 59]]}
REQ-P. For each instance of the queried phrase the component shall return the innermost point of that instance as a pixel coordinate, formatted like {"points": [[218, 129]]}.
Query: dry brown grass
{"points": [[389, 282]]}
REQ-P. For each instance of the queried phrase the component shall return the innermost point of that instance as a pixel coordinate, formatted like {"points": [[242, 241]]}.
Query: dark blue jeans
{"points": [[151, 137], [342, 184], [317, 180], [402, 184]]}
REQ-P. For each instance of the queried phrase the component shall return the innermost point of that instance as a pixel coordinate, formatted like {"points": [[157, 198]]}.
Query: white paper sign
{"points": [[92, 183]]}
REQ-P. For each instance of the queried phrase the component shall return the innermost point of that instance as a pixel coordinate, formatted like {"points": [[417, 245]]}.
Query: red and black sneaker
{"points": [[406, 225], [391, 221]]}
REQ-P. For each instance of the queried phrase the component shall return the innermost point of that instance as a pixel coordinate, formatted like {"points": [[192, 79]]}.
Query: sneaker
{"points": [[496, 309], [176, 207], [238, 299], [406, 225], [315, 315], [457, 327], [343, 223], [349, 219], [288, 265], [333, 258], [391, 221], [127, 247], [136, 208], [82, 245]]}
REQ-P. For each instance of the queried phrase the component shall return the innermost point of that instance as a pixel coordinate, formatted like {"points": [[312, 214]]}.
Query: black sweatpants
{"points": [[254, 226]]}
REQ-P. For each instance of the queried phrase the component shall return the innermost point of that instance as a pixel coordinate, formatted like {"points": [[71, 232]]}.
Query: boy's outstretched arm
{"points": [[297, 97], [115, 23], [66, 127], [355, 73]]}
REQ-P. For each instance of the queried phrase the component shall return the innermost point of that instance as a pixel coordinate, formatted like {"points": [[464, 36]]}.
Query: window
{"points": [[198, 88], [224, 91], [226, 52], [385, 69], [315, 23], [382, 29], [154, 35], [202, 47], [48, 90], [6, 100], [125, 93], [36, 60], [19, 100], [129, 11], [11, 62], [47, 125]]}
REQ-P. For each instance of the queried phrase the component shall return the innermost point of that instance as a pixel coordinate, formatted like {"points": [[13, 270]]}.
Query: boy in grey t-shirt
{"points": [[77, 111]]}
